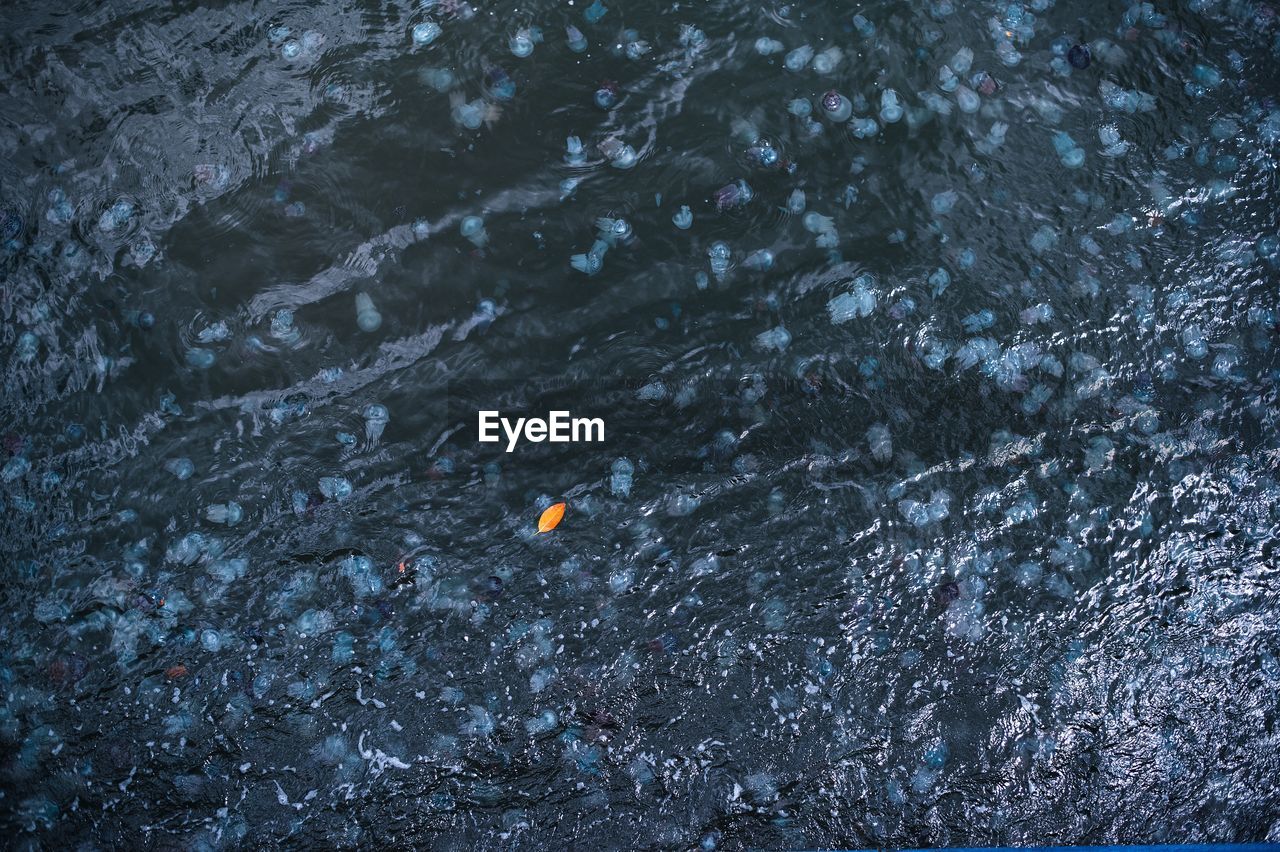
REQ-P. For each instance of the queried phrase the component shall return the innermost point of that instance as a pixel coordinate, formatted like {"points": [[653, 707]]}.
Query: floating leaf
{"points": [[551, 517]]}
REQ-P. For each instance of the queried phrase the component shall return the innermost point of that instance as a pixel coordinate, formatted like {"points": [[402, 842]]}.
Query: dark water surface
{"points": [[952, 520]]}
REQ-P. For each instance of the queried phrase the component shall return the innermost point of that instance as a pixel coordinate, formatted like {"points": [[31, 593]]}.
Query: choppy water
{"points": [[956, 524]]}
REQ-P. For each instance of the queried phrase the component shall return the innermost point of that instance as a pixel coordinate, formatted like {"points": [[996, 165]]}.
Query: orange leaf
{"points": [[551, 517]]}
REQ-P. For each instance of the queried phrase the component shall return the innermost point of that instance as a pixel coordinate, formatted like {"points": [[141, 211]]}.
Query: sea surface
{"points": [[935, 344]]}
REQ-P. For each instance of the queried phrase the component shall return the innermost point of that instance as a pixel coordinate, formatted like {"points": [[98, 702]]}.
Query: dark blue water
{"points": [[938, 499]]}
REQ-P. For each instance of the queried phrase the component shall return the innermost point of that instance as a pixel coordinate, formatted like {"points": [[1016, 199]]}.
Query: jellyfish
{"points": [[592, 261], [613, 231], [575, 39], [1071, 154], [425, 33], [574, 154], [521, 44], [890, 106], [759, 260], [733, 195], [606, 97], [836, 107], [683, 219], [367, 316], [469, 114], [826, 62], [620, 477], [376, 418], [225, 513], [797, 59], [472, 229], [881, 444], [720, 255]]}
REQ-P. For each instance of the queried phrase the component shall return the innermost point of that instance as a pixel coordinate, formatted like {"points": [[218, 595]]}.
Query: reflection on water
{"points": [[936, 347]]}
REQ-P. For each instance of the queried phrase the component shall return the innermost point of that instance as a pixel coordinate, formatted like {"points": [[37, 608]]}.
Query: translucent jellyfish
{"points": [[939, 280], [979, 321], [229, 514], [1125, 100], [1099, 453], [961, 61], [215, 332], [775, 338], [994, 138], [939, 505], [282, 327], [575, 39], [759, 260], [367, 316], [733, 195], [200, 359], [692, 37], [967, 99], [425, 33], [683, 219], [797, 59], [182, 468], [863, 127], [720, 255], [593, 13], [335, 487], [890, 106], [942, 203], [636, 48], [1193, 342], [591, 261], [859, 302], [816, 223], [360, 571], [15, 468], [574, 153], [521, 44], [764, 153], [1071, 154], [881, 444], [210, 640], [796, 202], [947, 79], [117, 217], [606, 97], [343, 650], [935, 103], [768, 46], [60, 211], [613, 231], [472, 229], [826, 62], [914, 512], [620, 477], [28, 346], [865, 28], [291, 49], [543, 723], [621, 155], [1028, 574], [376, 418], [1043, 239], [1112, 144], [470, 114], [836, 107]]}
